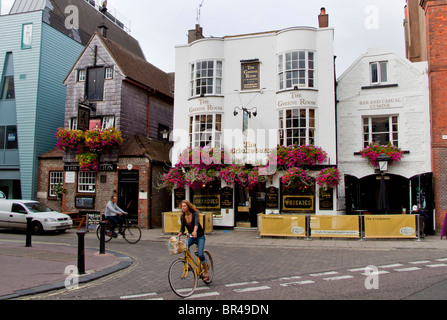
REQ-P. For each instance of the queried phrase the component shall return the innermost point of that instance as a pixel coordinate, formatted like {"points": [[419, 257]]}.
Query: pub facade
{"points": [[243, 103]]}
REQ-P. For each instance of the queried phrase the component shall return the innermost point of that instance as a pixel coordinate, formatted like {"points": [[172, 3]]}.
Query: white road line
{"points": [[407, 269], [252, 289], [338, 278], [443, 259], [240, 284], [136, 296], [436, 265], [323, 274], [392, 265], [297, 283], [204, 295], [420, 262], [357, 269], [288, 278], [375, 273]]}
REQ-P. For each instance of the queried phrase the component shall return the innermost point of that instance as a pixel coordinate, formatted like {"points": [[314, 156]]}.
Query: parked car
{"points": [[13, 214]]}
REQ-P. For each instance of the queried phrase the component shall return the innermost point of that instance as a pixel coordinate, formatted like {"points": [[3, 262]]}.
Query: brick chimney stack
{"points": [[195, 34], [323, 19]]}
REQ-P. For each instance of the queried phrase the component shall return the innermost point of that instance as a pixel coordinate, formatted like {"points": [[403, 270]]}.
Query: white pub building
{"points": [[247, 94]]}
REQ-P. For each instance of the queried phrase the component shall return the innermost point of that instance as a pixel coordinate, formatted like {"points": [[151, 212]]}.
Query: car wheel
{"points": [[37, 227]]}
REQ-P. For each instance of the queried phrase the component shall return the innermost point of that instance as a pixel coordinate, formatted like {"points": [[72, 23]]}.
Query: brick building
{"points": [[426, 37], [124, 91]]}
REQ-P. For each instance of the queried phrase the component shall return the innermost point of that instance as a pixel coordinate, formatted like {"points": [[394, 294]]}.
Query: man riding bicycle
{"points": [[114, 214]]}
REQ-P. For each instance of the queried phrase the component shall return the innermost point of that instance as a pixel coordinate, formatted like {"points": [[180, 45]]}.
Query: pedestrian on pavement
{"points": [[190, 221], [114, 214], [425, 216]]}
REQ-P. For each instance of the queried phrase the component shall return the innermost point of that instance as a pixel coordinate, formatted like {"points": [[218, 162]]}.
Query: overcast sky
{"points": [[359, 24]]}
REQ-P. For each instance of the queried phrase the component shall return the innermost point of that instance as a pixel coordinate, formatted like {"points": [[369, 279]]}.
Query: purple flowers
{"points": [[371, 152]]}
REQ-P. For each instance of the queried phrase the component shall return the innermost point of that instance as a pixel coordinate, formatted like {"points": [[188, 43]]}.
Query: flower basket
{"points": [[297, 156], [197, 178], [371, 153], [295, 178], [174, 179], [88, 161], [328, 178]]}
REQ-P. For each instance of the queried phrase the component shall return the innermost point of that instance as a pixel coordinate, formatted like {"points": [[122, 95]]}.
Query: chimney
{"points": [[195, 34], [103, 30], [323, 19]]}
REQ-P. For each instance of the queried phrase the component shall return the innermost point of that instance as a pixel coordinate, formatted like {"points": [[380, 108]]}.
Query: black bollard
{"points": [[81, 252], [102, 238], [29, 231]]}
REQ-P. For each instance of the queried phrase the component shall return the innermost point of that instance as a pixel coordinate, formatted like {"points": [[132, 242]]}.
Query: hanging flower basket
{"points": [[295, 178], [297, 156], [197, 178], [371, 153], [174, 179], [88, 145], [328, 178]]}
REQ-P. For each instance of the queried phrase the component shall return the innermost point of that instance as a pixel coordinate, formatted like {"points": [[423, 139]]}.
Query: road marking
{"points": [[420, 262], [297, 283], [437, 265], [443, 259], [252, 289], [204, 295], [357, 269], [136, 296], [323, 274], [407, 269], [338, 278], [288, 278], [392, 265], [375, 273], [240, 284]]}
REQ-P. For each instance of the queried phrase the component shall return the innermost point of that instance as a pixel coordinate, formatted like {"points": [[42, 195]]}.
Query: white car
{"points": [[13, 214]]}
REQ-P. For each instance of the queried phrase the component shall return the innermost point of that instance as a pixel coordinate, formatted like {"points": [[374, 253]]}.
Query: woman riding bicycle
{"points": [[190, 221]]}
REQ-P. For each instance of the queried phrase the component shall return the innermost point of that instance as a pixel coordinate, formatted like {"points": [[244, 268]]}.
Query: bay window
{"points": [[206, 78], [297, 126], [296, 69]]}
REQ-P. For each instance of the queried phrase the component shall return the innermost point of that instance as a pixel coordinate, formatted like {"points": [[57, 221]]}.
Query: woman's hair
{"points": [[191, 208]]}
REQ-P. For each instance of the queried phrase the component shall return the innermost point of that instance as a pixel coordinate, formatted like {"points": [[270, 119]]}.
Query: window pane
{"points": [[383, 72], [11, 137], [374, 75], [2, 138], [8, 92]]}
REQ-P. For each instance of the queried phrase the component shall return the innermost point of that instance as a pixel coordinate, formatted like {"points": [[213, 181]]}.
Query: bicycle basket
{"points": [[175, 246]]}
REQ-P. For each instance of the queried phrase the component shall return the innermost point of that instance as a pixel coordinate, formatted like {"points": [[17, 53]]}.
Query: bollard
{"points": [[81, 252], [29, 231], [102, 238]]}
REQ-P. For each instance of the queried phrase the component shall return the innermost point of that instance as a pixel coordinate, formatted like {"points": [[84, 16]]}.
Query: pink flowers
{"points": [[371, 152], [298, 156], [88, 145], [328, 178], [295, 178]]}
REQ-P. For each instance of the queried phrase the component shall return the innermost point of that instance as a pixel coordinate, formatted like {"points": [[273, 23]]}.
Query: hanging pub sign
{"points": [[297, 203], [250, 75], [271, 198], [226, 198]]}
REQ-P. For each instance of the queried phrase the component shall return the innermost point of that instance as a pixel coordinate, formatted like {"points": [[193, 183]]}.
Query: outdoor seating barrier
{"points": [[340, 226], [171, 222]]}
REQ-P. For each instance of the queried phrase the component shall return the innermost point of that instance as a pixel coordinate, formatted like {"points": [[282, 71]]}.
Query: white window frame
{"points": [[86, 182], [206, 78], [56, 178], [393, 132], [378, 72], [205, 130], [107, 122], [109, 73], [296, 128], [81, 75], [297, 69]]}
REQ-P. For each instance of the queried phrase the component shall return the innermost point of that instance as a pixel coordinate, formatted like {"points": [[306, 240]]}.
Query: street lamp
{"points": [[382, 160], [249, 112]]}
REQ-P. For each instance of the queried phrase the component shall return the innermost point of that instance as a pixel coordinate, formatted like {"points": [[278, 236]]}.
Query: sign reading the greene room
{"points": [[250, 75]]}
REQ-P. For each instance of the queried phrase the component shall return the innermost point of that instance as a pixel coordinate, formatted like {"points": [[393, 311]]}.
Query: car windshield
{"points": [[36, 207]]}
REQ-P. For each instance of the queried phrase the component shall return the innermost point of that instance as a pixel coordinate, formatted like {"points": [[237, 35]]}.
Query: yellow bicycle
{"points": [[185, 271]]}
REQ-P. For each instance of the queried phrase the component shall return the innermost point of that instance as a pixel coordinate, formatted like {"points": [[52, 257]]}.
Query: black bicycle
{"points": [[131, 233]]}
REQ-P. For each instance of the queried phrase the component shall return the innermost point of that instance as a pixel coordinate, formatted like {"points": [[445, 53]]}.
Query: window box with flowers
{"points": [[371, 153], [88, 145]]}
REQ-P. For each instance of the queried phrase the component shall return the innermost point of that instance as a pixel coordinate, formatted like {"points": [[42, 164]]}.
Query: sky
{"points": [[159, 26]]}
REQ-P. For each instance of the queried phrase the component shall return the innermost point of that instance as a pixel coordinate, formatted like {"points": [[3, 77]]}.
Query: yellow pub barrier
{"points": [[390, 226], [335, 226], [282, 225], [171, 221]]}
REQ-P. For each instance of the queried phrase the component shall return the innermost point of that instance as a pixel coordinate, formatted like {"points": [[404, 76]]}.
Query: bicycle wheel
{"points": [[182, 278], [132, 234], [209, 260], [108, 235]]}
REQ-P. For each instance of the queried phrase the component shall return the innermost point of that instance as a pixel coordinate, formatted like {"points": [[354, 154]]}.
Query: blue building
{"points": [[40, 42]]}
